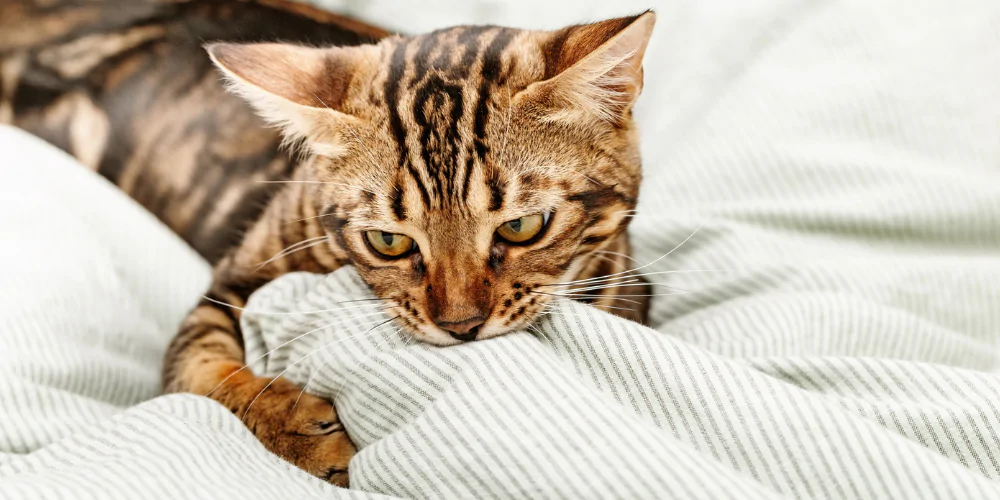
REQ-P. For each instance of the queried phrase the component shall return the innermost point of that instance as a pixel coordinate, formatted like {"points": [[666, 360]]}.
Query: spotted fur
{"points": [[443, 138]]}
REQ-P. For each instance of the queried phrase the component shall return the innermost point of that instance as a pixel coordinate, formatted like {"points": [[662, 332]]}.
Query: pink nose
{"points": [[464, 330]]}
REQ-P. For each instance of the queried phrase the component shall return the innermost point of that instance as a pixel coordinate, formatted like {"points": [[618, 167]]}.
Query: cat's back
{"points": [[126, 87]]}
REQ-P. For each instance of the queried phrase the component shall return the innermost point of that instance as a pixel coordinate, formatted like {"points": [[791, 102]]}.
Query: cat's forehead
{"points": [[443, 112]]}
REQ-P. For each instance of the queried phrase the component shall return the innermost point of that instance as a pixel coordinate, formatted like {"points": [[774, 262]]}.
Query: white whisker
{"points": [[319, 182], [375, 348], [289, 313], [614, 307], [295, 247], [305, 218], [506, 132], [586, 296], [254, 400], [268, 353], [612, 276]]}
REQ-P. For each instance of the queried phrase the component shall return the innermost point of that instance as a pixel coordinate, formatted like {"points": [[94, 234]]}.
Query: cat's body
{"points": [[126, 87], [468, 174]]}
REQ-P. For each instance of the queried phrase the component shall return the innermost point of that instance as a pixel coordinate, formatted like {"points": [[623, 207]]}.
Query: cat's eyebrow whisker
{"points": [[306, 218], [548, 168], [290, 313], [290, 249], [352, 186], [268, 353], [314, 351], [506, 132]]}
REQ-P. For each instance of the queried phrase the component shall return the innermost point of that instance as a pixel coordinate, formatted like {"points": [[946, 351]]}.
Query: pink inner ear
{"points": [[303, 75]]}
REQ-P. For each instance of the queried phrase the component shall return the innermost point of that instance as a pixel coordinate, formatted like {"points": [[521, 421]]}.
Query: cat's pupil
{"points": [[515, 225], [387, 238]]}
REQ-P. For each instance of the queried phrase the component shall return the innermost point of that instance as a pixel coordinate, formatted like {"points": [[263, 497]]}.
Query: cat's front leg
{"points": [[207, 355]]}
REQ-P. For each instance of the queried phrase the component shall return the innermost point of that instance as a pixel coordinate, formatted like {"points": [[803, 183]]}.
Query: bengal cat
{"points": [[467, 173]]}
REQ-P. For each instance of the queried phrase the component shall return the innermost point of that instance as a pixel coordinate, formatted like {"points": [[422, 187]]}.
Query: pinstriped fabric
{"points": [[592, 406]]}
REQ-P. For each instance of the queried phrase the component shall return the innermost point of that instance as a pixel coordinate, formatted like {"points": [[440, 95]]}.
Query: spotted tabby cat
{"points": [[467, 174]]}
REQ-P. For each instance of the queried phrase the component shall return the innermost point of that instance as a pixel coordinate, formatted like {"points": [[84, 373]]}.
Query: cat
{"points": [[467, 174]]}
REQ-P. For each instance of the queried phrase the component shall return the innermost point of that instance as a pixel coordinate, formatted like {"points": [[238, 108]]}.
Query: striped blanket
{"points": [[829, 327]]}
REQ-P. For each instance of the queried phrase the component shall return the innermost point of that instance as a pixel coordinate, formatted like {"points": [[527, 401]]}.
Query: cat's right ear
{"points": [[300, 89]]}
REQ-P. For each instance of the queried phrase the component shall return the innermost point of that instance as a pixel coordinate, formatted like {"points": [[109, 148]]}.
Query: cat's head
{"points": [[468, 171]]}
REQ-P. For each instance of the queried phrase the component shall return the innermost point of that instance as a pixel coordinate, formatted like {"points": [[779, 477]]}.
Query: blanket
{"points": [[825, 177]]}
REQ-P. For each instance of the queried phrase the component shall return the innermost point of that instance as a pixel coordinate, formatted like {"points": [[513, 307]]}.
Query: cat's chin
{"points": [[442, 339]]}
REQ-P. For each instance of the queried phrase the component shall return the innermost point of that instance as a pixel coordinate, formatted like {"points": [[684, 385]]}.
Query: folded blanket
{"points": [[833, 171]]}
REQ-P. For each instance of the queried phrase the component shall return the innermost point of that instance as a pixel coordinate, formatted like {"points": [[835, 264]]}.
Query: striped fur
{"points": [[442, 137]]}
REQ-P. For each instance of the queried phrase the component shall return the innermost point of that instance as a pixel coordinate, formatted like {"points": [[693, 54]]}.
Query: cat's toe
{"points": [[302, 429]]}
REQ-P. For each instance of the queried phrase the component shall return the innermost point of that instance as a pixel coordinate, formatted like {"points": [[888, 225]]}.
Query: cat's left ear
{"points": [[594, 70], [300, 89]]}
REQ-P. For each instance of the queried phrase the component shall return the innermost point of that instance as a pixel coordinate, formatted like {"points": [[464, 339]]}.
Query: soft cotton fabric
{"points": [[831, 329]]}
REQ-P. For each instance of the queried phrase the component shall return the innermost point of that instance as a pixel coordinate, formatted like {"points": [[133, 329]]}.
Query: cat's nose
{"points": [[464, 330]]}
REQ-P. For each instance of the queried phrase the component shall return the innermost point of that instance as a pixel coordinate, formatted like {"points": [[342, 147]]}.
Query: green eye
{"points": [[523, 229], [389, 244]]}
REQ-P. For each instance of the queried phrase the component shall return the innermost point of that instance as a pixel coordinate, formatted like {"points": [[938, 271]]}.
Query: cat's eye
{"points": [[522, 230], [389, 244]]}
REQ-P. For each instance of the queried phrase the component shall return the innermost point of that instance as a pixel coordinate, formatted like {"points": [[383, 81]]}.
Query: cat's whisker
{"points": [[612, 276], [632, 281], [276, 377], [305, 218], [290, 249], [613, 281], [375, 348], [617, 254], [290, 313], [286, 254], [313, 375], [581, 296], [268, 353], [632, 309], [539, 331], [618, 296], [318, 182], [621, 284], [366, 300], [506, 132], [547, 170]]}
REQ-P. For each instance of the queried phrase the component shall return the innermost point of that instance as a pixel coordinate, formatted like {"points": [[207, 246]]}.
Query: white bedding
{"points": [[842, 159]]}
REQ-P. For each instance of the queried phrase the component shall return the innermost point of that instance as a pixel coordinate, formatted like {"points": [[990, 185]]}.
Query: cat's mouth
{"points": [[499, 322]]}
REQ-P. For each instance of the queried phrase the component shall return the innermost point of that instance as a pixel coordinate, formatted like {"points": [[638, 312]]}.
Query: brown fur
{"points": [[441, 137]]}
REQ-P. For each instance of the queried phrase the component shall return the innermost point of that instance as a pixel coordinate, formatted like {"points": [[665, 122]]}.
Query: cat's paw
{"points": [[303, 430]]}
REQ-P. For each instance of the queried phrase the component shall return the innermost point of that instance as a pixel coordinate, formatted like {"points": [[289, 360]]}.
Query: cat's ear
{"points": [[300, 89], [595, 70]]}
